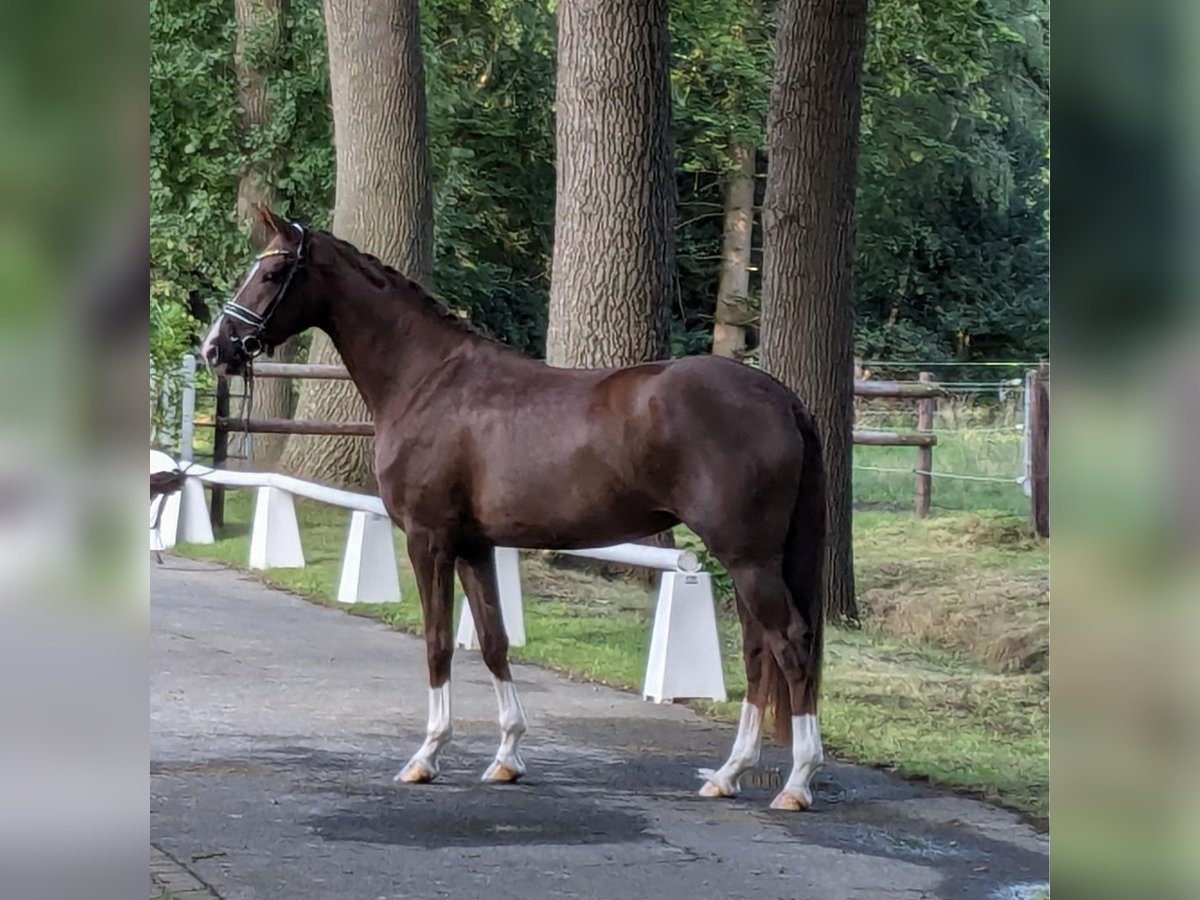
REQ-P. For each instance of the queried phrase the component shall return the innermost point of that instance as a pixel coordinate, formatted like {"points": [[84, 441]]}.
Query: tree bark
{"points": [[614, 240], [384, 202], [733, 312], [261, 29], [273, 399], [808, 224]]}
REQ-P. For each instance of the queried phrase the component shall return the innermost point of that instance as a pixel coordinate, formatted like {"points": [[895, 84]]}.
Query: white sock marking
{"points": [[807, 755], [512, 724], [438, 731], [744, 755]]}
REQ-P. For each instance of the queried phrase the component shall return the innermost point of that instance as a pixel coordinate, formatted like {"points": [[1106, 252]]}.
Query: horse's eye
{"points": [[270, 277]]}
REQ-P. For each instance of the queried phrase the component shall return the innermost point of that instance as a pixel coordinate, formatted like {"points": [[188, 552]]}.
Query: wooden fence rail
{"points": [[925, 392]]}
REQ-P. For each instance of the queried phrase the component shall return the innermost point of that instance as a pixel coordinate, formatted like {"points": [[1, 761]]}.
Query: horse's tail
{"points": [[803, 562]]}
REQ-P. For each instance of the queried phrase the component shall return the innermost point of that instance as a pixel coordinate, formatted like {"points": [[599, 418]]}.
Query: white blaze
{"points": [[211, 337]]}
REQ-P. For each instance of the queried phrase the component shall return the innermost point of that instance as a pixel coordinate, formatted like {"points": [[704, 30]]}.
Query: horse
{"points": [[479, 446]]}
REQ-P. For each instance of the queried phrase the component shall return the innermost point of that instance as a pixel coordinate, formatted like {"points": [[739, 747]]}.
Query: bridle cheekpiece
{"points": [[252, 343]]}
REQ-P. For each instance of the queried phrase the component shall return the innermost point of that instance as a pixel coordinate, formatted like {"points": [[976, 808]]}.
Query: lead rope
{"points": [[247, 408]]}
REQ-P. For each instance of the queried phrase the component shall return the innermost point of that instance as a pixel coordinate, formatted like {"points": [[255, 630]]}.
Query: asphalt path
{"points": [[277, 725]]}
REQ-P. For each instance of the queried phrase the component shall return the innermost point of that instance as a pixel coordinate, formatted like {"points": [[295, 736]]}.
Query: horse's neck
{"points": [[387, 344]]}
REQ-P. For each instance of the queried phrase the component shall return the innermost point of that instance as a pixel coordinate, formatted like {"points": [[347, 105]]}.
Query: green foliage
{"points": [[199, 149], [171, 329], [490, 70], [722, 581], [953, 196], [721, 84], [720, 80], [953, 247]]}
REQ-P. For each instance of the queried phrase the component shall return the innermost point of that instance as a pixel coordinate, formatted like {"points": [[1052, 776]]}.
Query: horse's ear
{"points": [[273, 223]]}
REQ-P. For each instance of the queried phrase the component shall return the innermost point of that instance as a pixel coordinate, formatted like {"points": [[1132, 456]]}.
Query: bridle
{"points": [[252, 343]]}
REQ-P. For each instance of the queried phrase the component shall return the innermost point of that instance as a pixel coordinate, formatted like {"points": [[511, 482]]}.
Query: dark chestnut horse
{"points": [[478, 446]]}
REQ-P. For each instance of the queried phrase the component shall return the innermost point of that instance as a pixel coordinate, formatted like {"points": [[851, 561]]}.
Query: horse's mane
{"points": [[389, 276]]}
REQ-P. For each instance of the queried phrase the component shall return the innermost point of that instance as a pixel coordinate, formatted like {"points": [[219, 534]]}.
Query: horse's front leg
{"points": [[478, 575], [434, 569]]}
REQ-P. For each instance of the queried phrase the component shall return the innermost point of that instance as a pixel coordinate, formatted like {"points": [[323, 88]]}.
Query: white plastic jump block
{"points": [[369, 573], [275, 538], [195, 527], [184, 516], [512, 613], [165, 536], [685, 649]]}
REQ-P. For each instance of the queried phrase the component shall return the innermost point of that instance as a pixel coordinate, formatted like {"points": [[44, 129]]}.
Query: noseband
{"points": [[252, 343]]}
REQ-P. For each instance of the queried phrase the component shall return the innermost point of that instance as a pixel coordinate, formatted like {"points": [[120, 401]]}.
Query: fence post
{"points": [[187, 408], [220, 450], [925, 412], [1039, 448]]}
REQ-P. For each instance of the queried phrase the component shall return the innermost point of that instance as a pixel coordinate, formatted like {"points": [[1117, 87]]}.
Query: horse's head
{"points": [[271, 304]]}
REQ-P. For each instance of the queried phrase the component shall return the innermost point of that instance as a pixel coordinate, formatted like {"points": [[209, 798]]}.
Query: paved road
{"points": [[276, 727]]}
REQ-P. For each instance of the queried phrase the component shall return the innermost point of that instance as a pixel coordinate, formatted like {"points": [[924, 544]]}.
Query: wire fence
{"points": [[979, 463]]}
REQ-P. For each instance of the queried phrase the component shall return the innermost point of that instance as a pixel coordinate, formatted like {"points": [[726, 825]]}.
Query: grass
{"points": [[977, 453], [927, 702]]}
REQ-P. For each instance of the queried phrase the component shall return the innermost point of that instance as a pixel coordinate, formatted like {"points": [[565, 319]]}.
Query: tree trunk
{"points": [[273, 399], [614, 240], [733, 311], [808, 225], [261, 30], [384, 201]]}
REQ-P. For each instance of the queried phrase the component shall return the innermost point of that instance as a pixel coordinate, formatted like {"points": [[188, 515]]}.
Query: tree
{"points": [[733, 309], [384, 196], [491, 132], [721, 79], [952, 208], [261, 38], [614, 248], [808, 227], [953, 246]]}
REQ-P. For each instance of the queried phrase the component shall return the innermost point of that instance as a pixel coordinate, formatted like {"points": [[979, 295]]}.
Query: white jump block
{"points": [[275, 538], [685, 647], [184, 518], [184, 514], [166, 535], [369, 573], [512, 613], [195, 527]]}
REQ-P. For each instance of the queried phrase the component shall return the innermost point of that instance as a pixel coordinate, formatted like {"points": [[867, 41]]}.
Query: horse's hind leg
{"points": [[478, 575], [795, 656], [723, 782], [784, 665], [434, 569]]}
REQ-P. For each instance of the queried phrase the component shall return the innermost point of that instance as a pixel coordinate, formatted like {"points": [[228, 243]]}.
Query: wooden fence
{"points": [[925, 392], [1037, 386]]}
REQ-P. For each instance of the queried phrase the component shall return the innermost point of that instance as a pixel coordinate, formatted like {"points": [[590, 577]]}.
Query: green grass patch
{"points": [[977, 453], [919, 703]]}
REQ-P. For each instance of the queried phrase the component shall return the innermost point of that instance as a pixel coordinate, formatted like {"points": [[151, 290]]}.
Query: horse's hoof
{"points": [[715, 785], [418, 771], [792, 801], [503, 773]]}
